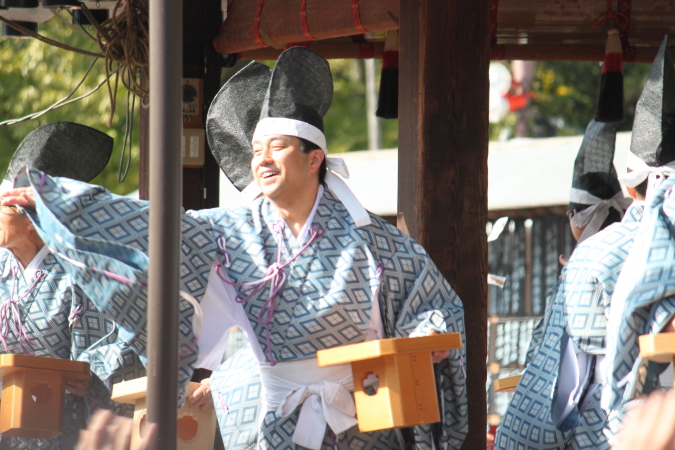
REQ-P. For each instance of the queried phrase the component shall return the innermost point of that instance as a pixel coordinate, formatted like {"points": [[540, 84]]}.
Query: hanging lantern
{"points": [[387, 103], [610, 99], [101, 15], [61, 4], [19, 3]]}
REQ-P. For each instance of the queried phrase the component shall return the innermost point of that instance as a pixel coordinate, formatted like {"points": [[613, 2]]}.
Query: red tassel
{"points": [[610, 100]]}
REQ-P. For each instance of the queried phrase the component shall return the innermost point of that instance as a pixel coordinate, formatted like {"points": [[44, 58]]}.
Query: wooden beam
{"points": [[256, 24], [544, 52], [329, 50], [443, 149]]}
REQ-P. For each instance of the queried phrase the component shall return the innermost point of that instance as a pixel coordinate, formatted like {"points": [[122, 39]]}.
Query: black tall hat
{"points": [[595, 188], [594, 170], [301, 88], [63, 149], [231, 121], [653, 138]]}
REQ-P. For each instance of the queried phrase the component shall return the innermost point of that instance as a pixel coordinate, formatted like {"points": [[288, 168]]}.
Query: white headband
{"points": [[594, 216], [270, 126], [641, 172]]}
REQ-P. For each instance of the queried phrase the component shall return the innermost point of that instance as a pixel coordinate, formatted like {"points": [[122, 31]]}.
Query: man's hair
{"points": [[641, 189], [612, 217], [306, 147]]}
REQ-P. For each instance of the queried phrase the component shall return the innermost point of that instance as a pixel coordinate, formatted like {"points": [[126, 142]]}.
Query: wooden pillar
{"points": [[443, 148], [202, 19]]}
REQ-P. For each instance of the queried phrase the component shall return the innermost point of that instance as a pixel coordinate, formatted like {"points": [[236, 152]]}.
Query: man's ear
{"points": [[316, 157], [631, 192]]}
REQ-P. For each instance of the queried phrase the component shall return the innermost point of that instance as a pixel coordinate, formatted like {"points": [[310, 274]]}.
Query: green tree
{"points": [[566, 95], [34, 75]]}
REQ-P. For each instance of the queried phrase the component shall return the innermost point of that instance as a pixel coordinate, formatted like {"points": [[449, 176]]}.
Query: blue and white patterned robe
{"points": [[325, 302], [579, 310], [61, 322], [643, 303]]}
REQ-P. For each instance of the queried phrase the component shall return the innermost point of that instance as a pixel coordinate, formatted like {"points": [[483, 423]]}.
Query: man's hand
{"points": [[437, 357], [78, 387], [649, 425], [24, 197], [202, 397], [109, 432]]}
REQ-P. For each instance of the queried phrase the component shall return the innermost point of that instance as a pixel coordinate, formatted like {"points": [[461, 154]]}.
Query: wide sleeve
{"points": [[95, 339], [101, 240], [540, 330], [417, 299]]}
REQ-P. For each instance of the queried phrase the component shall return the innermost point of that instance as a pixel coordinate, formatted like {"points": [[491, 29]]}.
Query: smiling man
{"points": [[42, 312], [303, 268]]}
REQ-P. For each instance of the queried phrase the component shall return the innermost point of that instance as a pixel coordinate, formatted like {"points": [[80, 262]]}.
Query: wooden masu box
{"points": [[33, 394], [196, 427], [658, 347], [507, 384], [406, 395]]}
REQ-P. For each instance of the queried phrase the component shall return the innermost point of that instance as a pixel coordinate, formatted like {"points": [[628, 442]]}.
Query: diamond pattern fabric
{"points": [[63, 323], [578, 309], [325, 301], [643, 303]]}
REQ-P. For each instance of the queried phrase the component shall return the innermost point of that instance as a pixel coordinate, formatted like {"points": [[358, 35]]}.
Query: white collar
{"points": [[308, 223], [29, 271]]}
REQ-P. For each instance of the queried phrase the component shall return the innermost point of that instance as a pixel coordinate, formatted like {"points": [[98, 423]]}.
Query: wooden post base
{"points": [[33, 394], [196, 427], [394, 382]]}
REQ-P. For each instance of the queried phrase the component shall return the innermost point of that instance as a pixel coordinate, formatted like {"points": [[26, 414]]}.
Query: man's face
{"points": [[14, 228], [279, 168]]}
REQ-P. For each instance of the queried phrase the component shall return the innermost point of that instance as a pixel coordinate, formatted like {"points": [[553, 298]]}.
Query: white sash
{"points": [[322, 392]]}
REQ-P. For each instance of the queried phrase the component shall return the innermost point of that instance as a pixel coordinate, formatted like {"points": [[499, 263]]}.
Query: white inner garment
{"points": [[666, 378], [28, 272], [576, 365]]}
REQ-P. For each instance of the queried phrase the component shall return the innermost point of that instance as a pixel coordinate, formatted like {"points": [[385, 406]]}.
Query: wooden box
{"points": [[196, 426], [33, 394], [507, 384], [407, 386], [658, 347]]}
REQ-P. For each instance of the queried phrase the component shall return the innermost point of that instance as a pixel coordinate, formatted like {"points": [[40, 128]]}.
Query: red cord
{"points": [[256, 25], [620, 17], [303, 21], [366, 51], [357, 17]]}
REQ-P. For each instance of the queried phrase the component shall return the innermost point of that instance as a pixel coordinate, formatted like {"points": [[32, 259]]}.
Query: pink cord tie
{"points": [[275, 277], [10, 310]]}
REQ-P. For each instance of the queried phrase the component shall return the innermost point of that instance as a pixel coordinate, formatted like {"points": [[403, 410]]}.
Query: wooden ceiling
{"points": [[580, 22], [520, 29]]}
